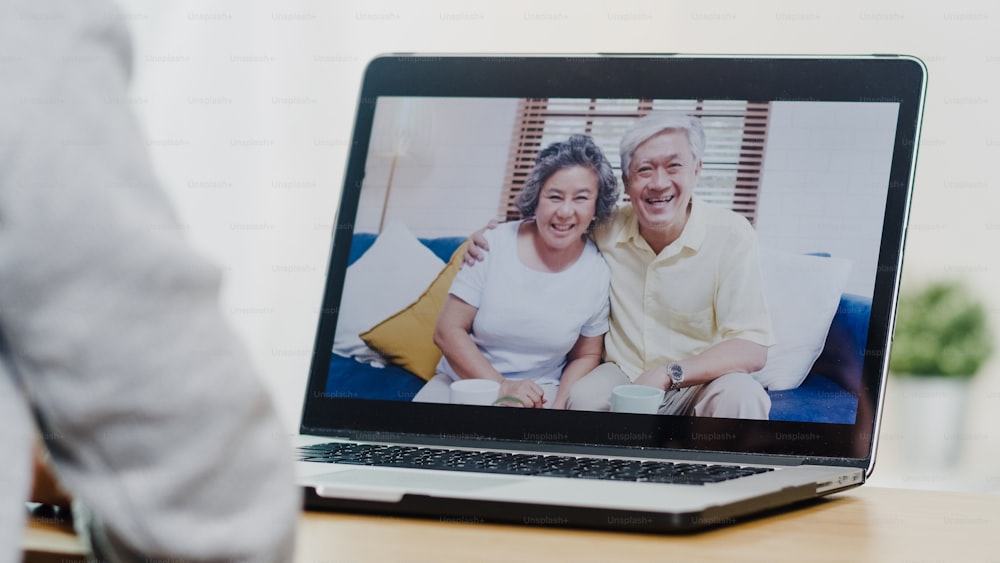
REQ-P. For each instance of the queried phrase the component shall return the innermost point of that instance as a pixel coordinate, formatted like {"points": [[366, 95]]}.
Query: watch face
{"points": [[676, 372]]}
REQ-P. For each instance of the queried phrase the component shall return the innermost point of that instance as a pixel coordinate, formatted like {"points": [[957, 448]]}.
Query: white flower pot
{"points": [[933, 412]]}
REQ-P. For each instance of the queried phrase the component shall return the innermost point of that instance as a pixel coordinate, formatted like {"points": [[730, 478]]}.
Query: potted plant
{"points": [[941, 340]]}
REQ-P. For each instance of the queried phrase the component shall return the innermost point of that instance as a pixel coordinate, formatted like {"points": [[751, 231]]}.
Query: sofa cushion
{"points": [[407, 338], [817, 399], [843, 356], [389, 276], [350, 379], [803, 292]]}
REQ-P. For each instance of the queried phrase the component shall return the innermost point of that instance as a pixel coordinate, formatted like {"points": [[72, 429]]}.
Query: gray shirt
{"points": [[114, 344]]}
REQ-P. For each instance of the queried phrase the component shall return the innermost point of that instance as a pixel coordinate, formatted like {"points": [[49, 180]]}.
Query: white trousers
{"points": [[438, 390]]}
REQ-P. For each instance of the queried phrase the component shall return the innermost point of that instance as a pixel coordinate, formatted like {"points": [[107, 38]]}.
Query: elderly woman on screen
{"points": [[532, 315]]}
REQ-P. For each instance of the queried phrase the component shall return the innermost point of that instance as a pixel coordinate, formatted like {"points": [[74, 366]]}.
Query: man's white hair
{"points": [[658, 122]]}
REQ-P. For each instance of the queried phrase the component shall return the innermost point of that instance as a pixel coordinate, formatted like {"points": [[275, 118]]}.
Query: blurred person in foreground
{"points": [[112, 341]]}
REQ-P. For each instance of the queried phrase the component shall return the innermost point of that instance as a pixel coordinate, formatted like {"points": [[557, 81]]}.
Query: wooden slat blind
{"points": [[735, 131]]}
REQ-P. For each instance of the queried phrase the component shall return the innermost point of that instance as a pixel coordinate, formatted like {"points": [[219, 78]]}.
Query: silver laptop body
{"points": [[817, 152]]}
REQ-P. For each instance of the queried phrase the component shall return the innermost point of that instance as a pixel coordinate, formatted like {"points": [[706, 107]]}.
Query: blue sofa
{"points": [[828, 394]]}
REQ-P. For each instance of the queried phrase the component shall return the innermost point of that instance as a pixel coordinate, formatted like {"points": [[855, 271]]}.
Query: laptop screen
{"points": [[791, 245]]}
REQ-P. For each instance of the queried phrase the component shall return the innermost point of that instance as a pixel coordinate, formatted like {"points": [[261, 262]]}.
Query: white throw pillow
{"points": [[803, 293], [389, 276]]}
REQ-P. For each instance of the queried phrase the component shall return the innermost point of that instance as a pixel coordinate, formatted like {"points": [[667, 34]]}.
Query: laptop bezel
{"points": [[866, 78]]}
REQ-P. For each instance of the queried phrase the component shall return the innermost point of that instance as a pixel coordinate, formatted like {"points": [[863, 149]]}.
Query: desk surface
{"points": [[866, 524]]}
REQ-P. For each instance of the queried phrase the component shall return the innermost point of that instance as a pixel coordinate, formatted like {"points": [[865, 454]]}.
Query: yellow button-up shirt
{"points": [[703, 288]]}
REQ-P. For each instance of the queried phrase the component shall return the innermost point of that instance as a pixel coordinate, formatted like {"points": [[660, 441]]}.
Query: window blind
{"points": [[735, 131]]}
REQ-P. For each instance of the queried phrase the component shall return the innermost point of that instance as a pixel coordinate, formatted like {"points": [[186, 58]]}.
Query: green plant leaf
{"points": [[941, 330]]}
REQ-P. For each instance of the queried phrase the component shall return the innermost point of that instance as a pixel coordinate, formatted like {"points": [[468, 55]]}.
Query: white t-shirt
{"points": [[527, 321]]}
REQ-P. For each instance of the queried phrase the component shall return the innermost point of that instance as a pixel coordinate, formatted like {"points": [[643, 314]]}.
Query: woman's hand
{"points": [[581, 360], [478, 246], [526, 391]]}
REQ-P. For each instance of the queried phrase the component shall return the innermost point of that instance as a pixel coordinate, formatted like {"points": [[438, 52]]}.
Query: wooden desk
{"points": [[866, 524]]}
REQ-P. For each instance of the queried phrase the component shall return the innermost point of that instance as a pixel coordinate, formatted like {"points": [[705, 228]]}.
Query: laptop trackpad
{"points": [[399, 482]]}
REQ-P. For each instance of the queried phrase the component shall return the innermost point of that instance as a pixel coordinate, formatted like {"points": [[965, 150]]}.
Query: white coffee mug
{"points": [[637, 399], [474, 392]]}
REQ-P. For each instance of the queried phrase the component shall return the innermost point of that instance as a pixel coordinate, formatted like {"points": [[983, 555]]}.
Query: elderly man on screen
{"points": [[688, 312]]}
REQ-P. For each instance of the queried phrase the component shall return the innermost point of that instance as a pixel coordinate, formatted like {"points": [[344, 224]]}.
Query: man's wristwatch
{"points": [[676, 374]]}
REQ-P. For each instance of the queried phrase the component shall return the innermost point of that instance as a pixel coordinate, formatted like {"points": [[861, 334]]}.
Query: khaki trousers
{"points": [[734, 395]]}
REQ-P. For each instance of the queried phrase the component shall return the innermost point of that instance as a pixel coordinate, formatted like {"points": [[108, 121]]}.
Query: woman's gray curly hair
{"points": [[578, 150]]}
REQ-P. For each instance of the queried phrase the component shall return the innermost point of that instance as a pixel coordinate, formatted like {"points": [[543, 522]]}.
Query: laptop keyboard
{"points": [[525, 464]]}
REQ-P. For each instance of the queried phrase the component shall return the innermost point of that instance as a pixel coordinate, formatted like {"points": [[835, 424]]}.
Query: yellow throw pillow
{"points": [[407, 338]]}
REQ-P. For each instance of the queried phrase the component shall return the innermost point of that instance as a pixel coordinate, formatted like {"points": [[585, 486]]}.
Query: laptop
{"points": [[817, 153]]}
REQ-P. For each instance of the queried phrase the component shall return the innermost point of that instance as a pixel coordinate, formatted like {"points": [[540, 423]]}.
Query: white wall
{"points": [[825, 180], [213, 77], [449, 181]]}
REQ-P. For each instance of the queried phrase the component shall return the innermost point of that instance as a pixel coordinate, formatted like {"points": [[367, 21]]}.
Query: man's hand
{"points": [[655, 377], [46, 488], [478, 246], [524, 390]]}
